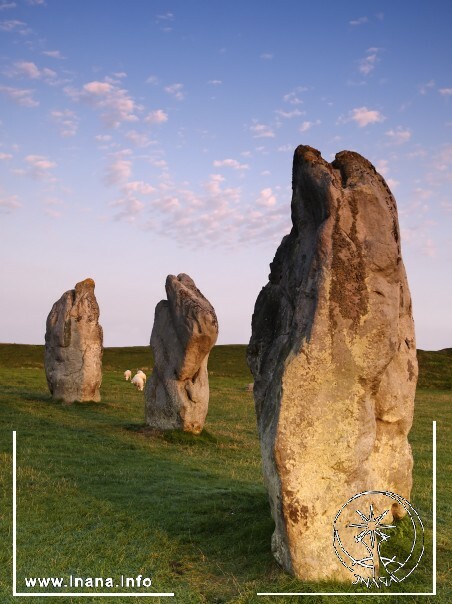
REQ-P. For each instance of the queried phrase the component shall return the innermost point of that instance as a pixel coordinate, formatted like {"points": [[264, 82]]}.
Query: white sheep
{"points": [[138, 381], [143, 375], [128, 375]]}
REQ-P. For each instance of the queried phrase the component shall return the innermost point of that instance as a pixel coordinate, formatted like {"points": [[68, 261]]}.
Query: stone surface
{"points": [[333, 357], [185, 330], [73, 345]]}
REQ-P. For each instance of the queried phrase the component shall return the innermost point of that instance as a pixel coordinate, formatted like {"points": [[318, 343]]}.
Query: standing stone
{"points": [[73, 349], [333, 357], [185, 330]]}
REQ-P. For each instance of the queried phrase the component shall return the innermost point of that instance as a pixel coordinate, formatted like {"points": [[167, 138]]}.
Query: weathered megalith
{"points": [[333, 357], [73, 348], [184, 332]]}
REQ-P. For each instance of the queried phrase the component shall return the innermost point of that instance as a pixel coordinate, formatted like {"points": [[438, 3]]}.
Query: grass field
{"points": [[100, 496]]}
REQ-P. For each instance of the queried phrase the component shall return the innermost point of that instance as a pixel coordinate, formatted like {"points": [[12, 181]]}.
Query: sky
{"points": [[145, 138]]}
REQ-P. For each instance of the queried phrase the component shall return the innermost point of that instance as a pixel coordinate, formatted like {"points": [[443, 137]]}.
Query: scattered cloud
{"points": [[139, 187], [176, 91], [262, 131], [445, 91], [138, 139], [40, 167], [441, 166], [5, 156], [9, 203], [115, 103], [266, 198], [28, 69], [15, 26], [230, 163], [392, 183], [152, 79], [54, 54], [36, 2], [289, 114], [67, 122], [212, 214], [103, 138], [368, 63], [305, 126], [359, 21], [7, 5], [156, 117], [19, 96], [120, 168], [165, 17], [423, 194], [382, 166], [215, 82], [52, 213], [267, 56], [364, 116], [292, 97], [429, 248], [98, 88], [159, 163], [398, 136], [424, 88], [131, 207]]}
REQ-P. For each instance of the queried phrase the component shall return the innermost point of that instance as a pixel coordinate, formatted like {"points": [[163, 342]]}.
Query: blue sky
{"points": [[141, 139]]}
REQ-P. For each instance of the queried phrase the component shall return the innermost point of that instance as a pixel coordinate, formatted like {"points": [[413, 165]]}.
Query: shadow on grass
{"points": [[177, 437], [37, 396]]}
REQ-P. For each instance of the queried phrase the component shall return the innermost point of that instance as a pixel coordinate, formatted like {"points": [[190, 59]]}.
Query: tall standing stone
{"points": [[333, 356], [73, 348], [185, 330]]}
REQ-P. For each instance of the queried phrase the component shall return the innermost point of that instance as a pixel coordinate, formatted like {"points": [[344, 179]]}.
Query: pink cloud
{"points": [[364, 116], [66, 120], [266, 198], [19, 96], [156, 117], [262, 131], [305, 126], [40, 167], [27, 69], [176, 91], [230, 163], [398, 136], [9, 203], [115, 103], [119, 170]]}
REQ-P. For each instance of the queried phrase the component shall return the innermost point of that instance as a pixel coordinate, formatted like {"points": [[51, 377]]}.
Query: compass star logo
{"points": [[358, 542], [373, 530]]}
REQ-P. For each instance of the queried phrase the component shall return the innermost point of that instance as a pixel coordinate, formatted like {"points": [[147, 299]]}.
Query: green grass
{"points": [[100, 495]]}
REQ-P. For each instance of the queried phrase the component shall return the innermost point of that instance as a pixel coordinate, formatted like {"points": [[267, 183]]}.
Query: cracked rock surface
{"points": [[184, 332], [333, 357], [74, 346]]}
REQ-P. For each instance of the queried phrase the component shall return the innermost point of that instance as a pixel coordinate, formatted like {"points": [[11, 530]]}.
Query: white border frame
{"points": [[29, 594], [383, 593]]}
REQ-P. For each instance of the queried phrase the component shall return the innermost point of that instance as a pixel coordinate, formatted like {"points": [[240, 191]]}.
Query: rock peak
{"points": [[185, 330], [74, 345], [333, 356]]}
